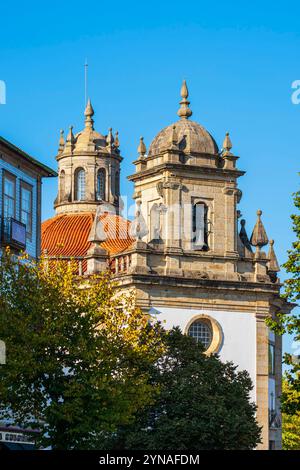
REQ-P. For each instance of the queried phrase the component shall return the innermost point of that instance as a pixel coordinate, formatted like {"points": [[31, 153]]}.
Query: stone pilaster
{"points": [[262, 378], [230, 246], [139, 263], [96, 259]]}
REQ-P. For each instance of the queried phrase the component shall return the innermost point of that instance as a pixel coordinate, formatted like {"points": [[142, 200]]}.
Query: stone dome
{"points": [[189, 136], [192, 137], [88, 140]]}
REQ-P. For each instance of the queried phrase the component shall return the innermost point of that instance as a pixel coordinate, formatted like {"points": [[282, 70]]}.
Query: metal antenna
{"points": [[85, 81]]}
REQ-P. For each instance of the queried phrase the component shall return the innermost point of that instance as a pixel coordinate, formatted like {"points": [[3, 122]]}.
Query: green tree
{"points": [[78, 354], [203, 404], [290, 323], [290, 422]]}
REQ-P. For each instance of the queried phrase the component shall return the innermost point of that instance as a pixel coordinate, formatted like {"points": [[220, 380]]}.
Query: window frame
{"points": [[9, 176], [217, 338], [76, 186], [195, 246], [28, 187], [101, 173]]}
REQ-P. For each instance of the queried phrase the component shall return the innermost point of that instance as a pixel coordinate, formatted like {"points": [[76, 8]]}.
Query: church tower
{"points": [[87, 226], [187, 191], [88, 168]]}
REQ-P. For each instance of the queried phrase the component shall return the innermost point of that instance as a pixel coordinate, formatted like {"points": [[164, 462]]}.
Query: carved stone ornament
{"points": [[160, 189]]}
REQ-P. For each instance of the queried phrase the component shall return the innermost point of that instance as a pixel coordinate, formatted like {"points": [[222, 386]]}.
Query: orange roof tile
{"points": [[67, 235]]}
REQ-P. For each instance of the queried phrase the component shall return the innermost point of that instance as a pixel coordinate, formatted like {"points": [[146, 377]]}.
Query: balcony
{"points": [[13, 233]]}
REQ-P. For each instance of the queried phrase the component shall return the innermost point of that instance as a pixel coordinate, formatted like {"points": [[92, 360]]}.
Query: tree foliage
{"points": [[78, 355], [203, 404], [290, 422], [290, 323]]}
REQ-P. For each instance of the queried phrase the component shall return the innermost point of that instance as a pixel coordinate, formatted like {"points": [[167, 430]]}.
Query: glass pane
{"points": [[9, 207], [9, 187], [26, 208], [101, 184], [80, 185], [201, 331]]}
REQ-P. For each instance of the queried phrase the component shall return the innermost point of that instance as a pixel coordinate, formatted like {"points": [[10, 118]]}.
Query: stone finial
{"points": [[61, 143], [109, 139], [70, 141], [272, 264], [142, 148], [244, 237], [117, 142], [184, 111], [259, 237], [227, 145], [89, 113]]}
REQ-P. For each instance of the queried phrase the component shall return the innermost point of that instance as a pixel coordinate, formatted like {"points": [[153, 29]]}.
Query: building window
{"points": [[200, 226], [26, 207], [201, 330], [80, 184], [271, 359], [62, 189], [9, 195], [101, 176]]}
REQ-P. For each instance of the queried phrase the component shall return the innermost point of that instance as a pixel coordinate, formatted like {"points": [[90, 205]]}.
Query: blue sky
{"points": [[239, 60]]}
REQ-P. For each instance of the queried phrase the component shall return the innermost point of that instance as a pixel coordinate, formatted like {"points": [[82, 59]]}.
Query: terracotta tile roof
{"points": [[67, 235]]}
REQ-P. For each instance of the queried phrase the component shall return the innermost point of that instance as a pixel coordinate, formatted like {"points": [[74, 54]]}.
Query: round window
{"points": [[201, 330]]}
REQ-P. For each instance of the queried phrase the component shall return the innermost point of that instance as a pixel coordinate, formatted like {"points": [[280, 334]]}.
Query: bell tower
{"points": [[88, 169], [187, 194]]}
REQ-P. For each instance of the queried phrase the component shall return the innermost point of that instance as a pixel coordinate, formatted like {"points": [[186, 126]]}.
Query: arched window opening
{"points": [[200, 226], [80, 184], [62, 189], [100, 193]]}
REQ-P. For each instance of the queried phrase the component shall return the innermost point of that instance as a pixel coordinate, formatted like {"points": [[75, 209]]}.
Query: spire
{"points": [[61, 143], [273, 265], [259, 237], [142, 148], [70, 141], [227, 145], [184, 111], [117, 142], [89, 113]]}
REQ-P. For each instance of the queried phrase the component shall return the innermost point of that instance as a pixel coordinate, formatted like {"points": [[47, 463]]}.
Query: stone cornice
{"points": [[94, 154], [221, 172], [177, 281]]}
